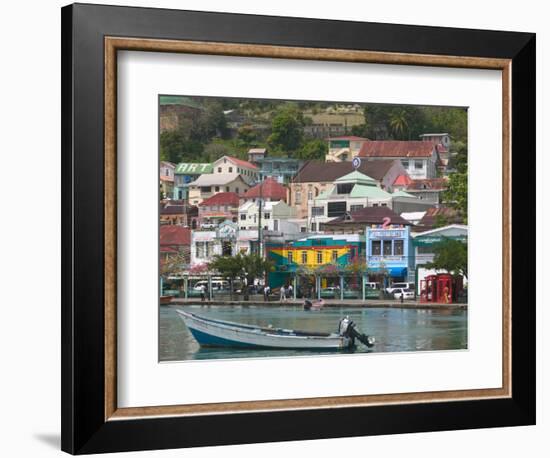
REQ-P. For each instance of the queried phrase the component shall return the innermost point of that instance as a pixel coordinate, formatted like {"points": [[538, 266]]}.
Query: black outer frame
{"points": [[84, 429]]}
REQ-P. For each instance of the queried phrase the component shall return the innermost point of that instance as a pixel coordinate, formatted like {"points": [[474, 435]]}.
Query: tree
{"points": [[287, 129], [456, 194], [450, 255], [313, 149], [254, 266], [229, 267], [175, 147], [247, 135]]}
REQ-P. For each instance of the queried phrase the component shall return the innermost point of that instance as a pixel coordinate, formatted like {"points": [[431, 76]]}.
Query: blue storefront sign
{"points": [[388, 252]]}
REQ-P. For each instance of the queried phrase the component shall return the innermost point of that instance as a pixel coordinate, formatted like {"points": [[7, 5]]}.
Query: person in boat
{"points": [[307, 305]]}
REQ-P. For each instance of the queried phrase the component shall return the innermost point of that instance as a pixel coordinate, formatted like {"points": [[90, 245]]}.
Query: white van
{"points": [[372, 285], [401, 285], [216, 285]]}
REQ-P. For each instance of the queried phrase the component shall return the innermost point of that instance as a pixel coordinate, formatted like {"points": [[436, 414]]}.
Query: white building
{"points": [[210, 184], [273, 215], [232, 165]]}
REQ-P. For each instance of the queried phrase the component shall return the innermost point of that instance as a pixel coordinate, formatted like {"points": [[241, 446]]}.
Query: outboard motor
{"points": [[347, 328]]}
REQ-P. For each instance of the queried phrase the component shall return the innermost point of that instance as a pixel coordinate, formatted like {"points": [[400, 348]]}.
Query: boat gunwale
{"points": [[258, 330]]}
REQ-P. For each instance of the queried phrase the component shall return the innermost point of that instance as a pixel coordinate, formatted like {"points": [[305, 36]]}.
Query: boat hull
{"points": [[215, 333]]}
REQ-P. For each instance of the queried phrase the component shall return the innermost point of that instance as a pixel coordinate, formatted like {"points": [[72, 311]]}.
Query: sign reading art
{"points": [[192, 168]]}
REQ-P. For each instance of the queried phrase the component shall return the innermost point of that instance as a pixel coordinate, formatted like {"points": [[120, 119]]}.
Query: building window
{"points": [[354, 208], [203, 250], [227, 189], [219, 170], [319, 257], [336, 209], [344, 188], [304, 257], [405, 163], [276, 225], [309, 195], [398, 247], [237, 190], [230, 169], [418, 165], [383, 205], [302, 229], [267, 215], [317, 211], [243, 216], [298, 198], [313, 227], [217, 189], [376, 247], [334, 255], [290, 256], [387, 248], [206, 188]]}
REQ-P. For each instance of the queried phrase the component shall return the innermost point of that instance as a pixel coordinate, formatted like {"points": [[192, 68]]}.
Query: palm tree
{"points": [[399, 123]]}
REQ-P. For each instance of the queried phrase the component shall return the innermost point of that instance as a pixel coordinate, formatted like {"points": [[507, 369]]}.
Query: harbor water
{"points": [[395, 329]]}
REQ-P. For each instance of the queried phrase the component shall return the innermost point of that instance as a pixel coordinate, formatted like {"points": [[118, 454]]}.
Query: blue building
{"points": [[282, 169], [184, 174], [390, 253]]}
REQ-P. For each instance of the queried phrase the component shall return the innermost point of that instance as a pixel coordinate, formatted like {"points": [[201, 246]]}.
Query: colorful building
{"points": [[305, 257], [184, 174], [166, 179]]}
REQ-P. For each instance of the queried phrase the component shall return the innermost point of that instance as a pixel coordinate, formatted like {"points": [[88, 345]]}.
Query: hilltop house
{"points": [[420, 159], [227, 165], [344, 148]]}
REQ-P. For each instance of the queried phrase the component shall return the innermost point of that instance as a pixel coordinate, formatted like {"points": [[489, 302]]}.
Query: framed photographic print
{"points": [[281, 228]]}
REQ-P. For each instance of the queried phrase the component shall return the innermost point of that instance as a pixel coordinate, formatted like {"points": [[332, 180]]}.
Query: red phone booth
{"points": [[428, 288], [444, 289], [440, 288]]}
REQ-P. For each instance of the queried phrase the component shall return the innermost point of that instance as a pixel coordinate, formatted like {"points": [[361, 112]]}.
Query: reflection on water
{"points": [[395, 330]]}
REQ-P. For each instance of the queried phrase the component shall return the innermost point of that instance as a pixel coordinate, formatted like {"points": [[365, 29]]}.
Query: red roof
{"points": [[395, 148], [431, 184], [402, 180], [222, 198], [352, 138], [175, 235], [269, 189], [241, 162]]}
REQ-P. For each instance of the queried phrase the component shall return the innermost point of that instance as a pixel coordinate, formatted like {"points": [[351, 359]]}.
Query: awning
{"points": [[396, 272]]}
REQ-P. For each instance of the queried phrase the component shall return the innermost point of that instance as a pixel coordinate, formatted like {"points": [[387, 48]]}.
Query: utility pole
{"points": [[260, 241]]}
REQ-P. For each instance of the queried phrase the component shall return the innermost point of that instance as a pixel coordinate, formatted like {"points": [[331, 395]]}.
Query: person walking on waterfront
{"points": [[283, 293], [266, 293], [203, 293], [402, 295], [290, 291]]}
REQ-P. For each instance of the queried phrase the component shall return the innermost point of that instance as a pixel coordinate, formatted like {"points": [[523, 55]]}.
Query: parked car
{"points": [[401, 285], [331, 292], [407, 294]]}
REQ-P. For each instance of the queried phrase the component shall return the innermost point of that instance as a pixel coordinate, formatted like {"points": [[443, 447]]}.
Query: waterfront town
{"points": [[321, 201]]}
